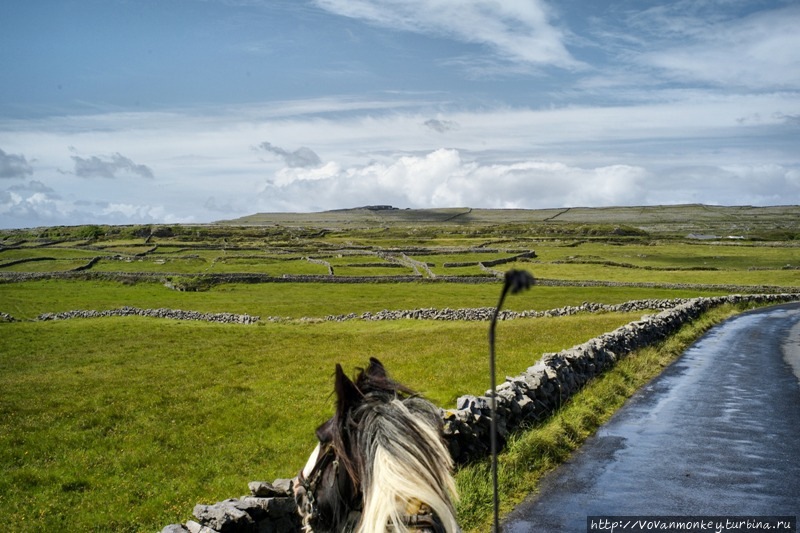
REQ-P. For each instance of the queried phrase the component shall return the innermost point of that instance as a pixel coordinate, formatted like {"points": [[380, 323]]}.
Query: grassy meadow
{"points": [[125, 423]]}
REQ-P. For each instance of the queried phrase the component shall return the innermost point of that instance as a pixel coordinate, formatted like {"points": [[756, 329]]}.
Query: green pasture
{"points": [[599, 259], [458, 271], [348, 270], [438, 260], [125, 424], [590, 272], [671, 254], [266, 265], [175, 249], [52, 265], [27, 300], [183, 265], [12, 254]]}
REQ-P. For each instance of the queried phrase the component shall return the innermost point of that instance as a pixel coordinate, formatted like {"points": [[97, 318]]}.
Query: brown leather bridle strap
{"points": [[310, 484], [421, 518], [423, 523]]}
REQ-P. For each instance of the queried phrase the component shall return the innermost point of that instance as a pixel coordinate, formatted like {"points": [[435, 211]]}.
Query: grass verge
{"points": [[533, 453]]}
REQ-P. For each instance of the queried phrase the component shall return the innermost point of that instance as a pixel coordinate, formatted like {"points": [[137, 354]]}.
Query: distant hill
{"points": [[705, 220]]}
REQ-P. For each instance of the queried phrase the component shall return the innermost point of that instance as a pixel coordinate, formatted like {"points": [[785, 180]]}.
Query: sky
{"points": [[193, 111]]}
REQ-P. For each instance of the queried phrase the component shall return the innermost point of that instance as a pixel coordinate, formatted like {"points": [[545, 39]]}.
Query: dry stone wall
{"points": [[490, 276], [269, 508], [532, 395], [485, 313], [463, 314], [545, 386], [175, 314]]}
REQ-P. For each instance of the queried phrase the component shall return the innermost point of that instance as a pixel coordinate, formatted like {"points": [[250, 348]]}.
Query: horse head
{"points": [[380, 463], [326, 489]]}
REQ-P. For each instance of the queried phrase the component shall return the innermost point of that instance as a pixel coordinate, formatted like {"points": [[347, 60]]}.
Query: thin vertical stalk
{"points": [[515, 281], [493, 410]]}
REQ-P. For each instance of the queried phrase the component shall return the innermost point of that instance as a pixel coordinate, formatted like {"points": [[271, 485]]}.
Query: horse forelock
{"points": [[374, 379], [403, 458], [388, 443]]}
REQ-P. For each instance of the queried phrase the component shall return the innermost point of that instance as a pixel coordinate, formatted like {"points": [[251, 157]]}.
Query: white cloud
{"points": [[757, 52], [516, 31], [443, 178], [645, 152], [14, 166], [734, 184], [27, 207], [32, 186], [34, 204]]}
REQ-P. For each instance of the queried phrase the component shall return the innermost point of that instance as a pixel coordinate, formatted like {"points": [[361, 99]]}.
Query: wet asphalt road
{"points": [[718, 433]]}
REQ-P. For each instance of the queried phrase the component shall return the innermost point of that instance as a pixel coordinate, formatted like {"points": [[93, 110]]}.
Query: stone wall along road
{"points": [[718, 433]]}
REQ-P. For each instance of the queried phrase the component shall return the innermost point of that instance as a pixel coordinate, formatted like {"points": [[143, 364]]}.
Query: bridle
{"points": [[325, 457], [419, 516], [328, 490]]}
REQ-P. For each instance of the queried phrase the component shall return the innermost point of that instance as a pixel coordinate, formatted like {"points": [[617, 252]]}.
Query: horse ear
{"points": [[347, 394], [376, 369]]}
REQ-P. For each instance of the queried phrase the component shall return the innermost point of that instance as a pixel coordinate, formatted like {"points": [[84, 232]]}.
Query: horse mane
{"points": [[397, 453], [372, 382]]}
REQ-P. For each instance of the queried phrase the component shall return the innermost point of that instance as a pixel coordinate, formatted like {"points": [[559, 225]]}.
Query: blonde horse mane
{"points": [[407, 466]]}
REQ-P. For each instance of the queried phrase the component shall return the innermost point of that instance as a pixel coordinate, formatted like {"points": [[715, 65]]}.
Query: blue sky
{"points": [[168, 111]]}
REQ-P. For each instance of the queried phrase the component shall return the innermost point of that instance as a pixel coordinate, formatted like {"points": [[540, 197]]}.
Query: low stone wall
{"points": [[133, 277], [485, 313], [26, 260], [490, 276], [269, 508], [520, 256], [174, 314], [322, 263], [545, 386], [92, 262], [530, 396], [474, 314]]}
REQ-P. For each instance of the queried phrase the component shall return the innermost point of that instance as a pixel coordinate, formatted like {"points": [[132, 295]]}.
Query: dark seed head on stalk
{"points": [[519, 280], [515, 282]]}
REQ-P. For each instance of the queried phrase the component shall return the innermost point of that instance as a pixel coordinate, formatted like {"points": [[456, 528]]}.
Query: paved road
{"points": [[718, 433]]}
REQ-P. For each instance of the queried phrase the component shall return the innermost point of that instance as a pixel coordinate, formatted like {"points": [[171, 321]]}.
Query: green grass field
{"points": [[26, 301], [124, 424]]}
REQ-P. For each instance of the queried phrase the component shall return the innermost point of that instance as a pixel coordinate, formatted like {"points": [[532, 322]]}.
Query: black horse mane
{"points": [[372, 385]]}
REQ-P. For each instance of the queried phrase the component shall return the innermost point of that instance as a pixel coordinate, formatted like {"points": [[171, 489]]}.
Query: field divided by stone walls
{"points": [[148, 369]]}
